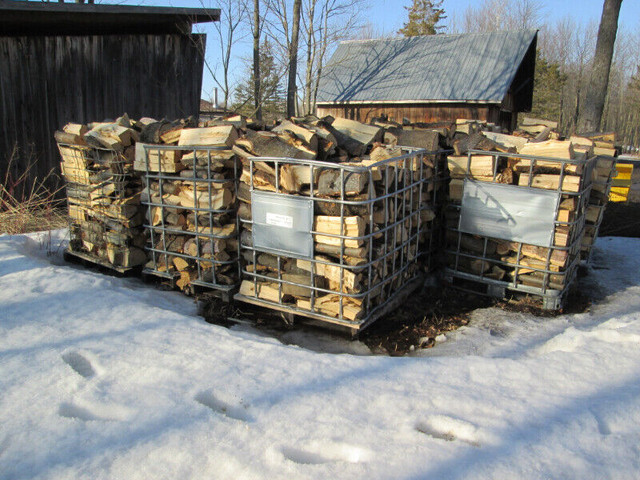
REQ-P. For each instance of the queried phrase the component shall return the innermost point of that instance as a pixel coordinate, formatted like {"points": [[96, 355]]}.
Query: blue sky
{"points": [[389, 15]]}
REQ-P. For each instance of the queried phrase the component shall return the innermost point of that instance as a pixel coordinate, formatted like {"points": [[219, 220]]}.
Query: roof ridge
{"points": [[439, 35]]}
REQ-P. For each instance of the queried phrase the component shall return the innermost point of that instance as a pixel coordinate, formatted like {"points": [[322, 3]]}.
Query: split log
{"points": [[570, 183], [477, 141], [224, 135], [330, 305], [69, 138], [362, 133], [156, 160], [551, 148], [557, 257], [268, 144], [309, 137], [477, 166], [332, 182], [349, 227]]}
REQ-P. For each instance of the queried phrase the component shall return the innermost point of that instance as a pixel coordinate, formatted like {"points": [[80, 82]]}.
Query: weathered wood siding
{"points": [[48, 81], [428, 113]]}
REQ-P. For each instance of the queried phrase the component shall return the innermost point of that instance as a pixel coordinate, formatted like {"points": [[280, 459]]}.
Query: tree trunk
{"points": [[593, 106], [293, 60], [257, 100], [311, 49]]}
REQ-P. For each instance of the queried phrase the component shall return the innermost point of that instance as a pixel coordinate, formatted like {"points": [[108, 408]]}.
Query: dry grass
{"points": [[27, 204]]}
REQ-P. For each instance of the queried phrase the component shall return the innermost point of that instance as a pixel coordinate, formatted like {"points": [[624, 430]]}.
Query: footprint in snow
{"points": [[235, 412], [79, 364], [603, 425], [103, 413], [447, 428], [326, 452]]}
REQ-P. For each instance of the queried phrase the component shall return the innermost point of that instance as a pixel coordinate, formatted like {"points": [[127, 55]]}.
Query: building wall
{"points": [[427, 113], [48, 81]]}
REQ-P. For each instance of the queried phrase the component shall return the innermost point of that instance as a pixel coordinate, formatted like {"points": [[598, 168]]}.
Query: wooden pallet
{"points": [[293, 314], [88, 260], [194, 289], [549, 300]]}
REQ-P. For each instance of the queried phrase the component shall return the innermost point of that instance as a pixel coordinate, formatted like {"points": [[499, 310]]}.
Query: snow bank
{"points": [[108, 378]]}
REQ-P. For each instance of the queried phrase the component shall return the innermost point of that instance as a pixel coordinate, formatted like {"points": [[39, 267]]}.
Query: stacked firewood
{"points": [[550, 163], [603, 173], [370, 221], [190, 176], [103, 192]]}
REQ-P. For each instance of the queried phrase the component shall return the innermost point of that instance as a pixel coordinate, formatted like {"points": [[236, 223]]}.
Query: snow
{"points": [[105, 378]]}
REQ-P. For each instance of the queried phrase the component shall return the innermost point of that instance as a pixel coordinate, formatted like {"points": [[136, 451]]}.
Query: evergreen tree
{"points": [[424, 16], [272, 92], [548, 86]]}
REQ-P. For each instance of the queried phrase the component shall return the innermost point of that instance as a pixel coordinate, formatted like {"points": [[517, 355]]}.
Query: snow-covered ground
{"points": [[108, 378]]}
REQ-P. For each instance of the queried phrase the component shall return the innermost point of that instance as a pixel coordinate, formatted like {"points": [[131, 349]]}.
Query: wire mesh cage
{"points": [[191, 221], [604, 171], [516, 223], [103, 198], [337, 242]]}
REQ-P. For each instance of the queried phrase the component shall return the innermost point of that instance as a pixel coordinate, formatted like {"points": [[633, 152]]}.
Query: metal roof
{"points": [[473, 67], [52, 18]]}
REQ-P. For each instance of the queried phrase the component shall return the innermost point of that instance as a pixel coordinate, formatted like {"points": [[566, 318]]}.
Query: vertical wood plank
{"points": [[48, 81]]}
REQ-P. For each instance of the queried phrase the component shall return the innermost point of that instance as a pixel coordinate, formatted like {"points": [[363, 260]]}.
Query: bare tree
{"points": [[323, 23], [326, 22], [229, 32], [255, 31], [494, 15], [293, 59], [591, 111]]}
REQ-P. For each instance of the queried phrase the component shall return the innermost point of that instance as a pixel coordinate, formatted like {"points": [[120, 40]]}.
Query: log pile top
{"points": [[103, 192], [535, 156], [371, 220]]}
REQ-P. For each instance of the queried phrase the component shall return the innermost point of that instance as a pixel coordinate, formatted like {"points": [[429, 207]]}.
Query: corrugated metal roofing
{"points": [[465, 67]]}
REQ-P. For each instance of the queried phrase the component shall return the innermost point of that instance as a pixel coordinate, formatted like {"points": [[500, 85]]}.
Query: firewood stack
{"points": [[546, 164], [602, 181], [367, 222], [190, 193], [103, 193]]}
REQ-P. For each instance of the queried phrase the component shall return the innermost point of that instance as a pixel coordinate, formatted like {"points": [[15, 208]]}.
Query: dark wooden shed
{"points": [[63, 63], [482, 76]]}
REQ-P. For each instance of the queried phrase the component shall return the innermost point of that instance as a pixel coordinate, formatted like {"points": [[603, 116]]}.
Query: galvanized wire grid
{"points": [[389, 254], [586, 251], [207, 267], [103, 168], [552, 298]]}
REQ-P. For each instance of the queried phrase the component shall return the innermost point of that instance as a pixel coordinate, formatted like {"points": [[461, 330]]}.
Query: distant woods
{"points": [[576, 84], [292, 41], [565, 70]]}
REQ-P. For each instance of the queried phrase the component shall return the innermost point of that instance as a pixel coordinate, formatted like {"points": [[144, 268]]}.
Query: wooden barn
{"points": [[483, 76], [63, 63]]}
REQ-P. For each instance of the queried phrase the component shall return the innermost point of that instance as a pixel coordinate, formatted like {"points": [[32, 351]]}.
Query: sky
{"points": [[388, 16]]}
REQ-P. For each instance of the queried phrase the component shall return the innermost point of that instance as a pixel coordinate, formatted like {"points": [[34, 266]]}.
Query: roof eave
{"points": [[408, 102], [36, 18]]}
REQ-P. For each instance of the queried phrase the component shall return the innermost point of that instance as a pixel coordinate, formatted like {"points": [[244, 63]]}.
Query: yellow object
{"points": [[621, 183]]}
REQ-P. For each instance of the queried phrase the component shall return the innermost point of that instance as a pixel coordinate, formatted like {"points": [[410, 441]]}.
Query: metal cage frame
{"points": [[408, 171], [158, 233], [552, 298], [119, 173]]}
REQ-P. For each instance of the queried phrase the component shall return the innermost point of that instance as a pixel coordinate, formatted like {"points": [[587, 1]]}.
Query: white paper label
{"points": [[279, 220]]}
